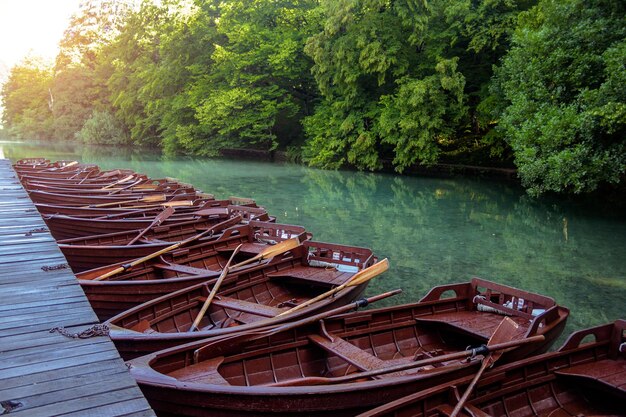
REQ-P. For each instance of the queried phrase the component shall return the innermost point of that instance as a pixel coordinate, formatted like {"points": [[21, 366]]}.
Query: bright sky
{"points": [[32, 27]]}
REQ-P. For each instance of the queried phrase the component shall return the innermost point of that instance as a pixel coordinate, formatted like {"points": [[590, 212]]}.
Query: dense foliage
{"points": [[564, 82], [362, 83]]}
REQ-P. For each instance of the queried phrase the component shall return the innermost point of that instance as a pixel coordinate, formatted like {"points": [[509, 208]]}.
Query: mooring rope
{"points": [[47, 268], [93, 331]]}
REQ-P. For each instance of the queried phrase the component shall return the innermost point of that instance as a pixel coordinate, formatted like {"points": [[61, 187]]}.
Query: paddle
{"points": [[482, 350], [127, 178], [147, 199], [133, 210], [504, 332], [68, 165], [126, 187], [164, 215], [270, 252], [219, 226], [214, 290], [357, 279]]}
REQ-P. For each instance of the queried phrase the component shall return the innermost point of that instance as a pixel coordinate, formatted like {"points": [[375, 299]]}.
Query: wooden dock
{"points": [[43, 373]]}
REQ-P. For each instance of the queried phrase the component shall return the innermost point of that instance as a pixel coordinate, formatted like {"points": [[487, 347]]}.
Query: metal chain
{"points": [[40, 230], [93, 331], [54, 267]]}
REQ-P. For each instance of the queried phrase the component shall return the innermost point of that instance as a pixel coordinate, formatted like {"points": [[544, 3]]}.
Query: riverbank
{"points": [[435, 170]]}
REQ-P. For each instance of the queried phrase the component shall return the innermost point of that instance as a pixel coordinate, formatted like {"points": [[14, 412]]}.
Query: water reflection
{"points": [[433, 231]]}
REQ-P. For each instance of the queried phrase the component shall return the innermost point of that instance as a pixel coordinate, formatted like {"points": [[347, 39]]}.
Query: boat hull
{"points": [[237, 376]]}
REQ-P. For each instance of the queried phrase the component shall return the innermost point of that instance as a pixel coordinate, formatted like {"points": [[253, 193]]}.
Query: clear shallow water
{"points": [[433, 231]]}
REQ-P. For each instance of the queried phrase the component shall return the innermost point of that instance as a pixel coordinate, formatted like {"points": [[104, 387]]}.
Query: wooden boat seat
{"points": [[312, 275], [204, 372], [348, 352], [183, 269], [246, 248], [251, 312], [609, 373], [478, 323]]}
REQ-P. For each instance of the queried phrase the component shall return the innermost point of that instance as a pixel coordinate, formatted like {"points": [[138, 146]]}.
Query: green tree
{"points": [[565, 103], [80, 72], [404, 79], [257, 86], [26, 101], [102, 128]]}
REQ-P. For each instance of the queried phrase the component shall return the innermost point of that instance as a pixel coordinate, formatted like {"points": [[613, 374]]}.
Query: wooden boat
{"points": [[28, 162], [91, 177], [138, 186], [121, 292], [68, 227], [347, 363], [165, 322], [52, 167], [98, 251], [115, 178], [580, 379], [112, 184], [145, 210], [45, 197], [80, 174], [133, 337]]}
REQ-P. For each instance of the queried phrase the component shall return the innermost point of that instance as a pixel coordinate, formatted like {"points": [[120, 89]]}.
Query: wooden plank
{"points": [[83, 398], [88, 367], [125, 408], [48, 373]]}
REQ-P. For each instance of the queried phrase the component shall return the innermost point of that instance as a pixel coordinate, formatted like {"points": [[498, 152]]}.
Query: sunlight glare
{"points": [[33, 27]]}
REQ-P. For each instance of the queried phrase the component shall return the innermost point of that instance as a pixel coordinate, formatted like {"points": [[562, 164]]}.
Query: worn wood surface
{"points": [[43, 373]]}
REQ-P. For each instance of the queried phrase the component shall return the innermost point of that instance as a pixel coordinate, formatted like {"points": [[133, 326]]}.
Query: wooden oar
{"points": [[147, 199], [134, 210], [126, 267], [505, 331], [87, 176], [248, 336], [270, 252], [164, 215], [214, 290], [481, 350], [127, 178], [357, 279], [126, 187], [68, 165]]}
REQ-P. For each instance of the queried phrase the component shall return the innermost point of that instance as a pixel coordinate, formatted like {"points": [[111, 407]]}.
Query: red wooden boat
{"points": [[82, 174], [97, 251], [68, 227], [51, 167], [138, 186], [91, 178], [347, 363], [45, 197], [146, 210], [133, 337], [580, 379], [166, 321], [180, 270]]}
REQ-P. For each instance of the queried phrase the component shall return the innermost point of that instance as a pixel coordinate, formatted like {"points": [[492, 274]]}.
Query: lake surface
{"points": [[434, 231]]}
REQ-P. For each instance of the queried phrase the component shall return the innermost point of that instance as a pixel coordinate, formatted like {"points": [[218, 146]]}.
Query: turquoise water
{"points": [[433, 231]]}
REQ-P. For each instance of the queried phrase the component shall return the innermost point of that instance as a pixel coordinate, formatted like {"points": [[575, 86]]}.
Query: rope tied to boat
{"points": [[258, 238], [39, 230], [93, 331], [47, 268]]}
